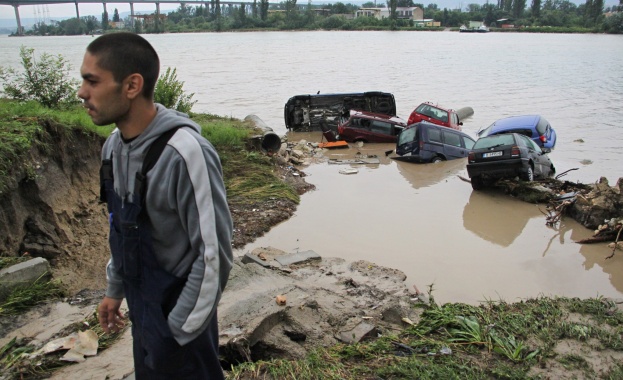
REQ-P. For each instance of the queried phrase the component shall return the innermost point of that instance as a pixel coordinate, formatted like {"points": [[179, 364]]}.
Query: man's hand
{"points": [[110, 317]]}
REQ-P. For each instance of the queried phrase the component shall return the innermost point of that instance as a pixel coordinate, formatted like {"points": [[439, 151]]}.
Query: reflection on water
{"points": [[496, 218], [595, 260], [425, 175]]}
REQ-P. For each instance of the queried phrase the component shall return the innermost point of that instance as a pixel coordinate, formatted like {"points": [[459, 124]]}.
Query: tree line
{"points": [[539, 16]]}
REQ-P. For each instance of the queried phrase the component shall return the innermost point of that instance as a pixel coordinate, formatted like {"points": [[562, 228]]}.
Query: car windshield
{"points": [[408, 135], [541, 126], [485, 132], [430, 111], [494, 141]]}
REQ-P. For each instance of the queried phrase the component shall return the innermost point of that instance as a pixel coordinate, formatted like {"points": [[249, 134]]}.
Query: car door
{"points": [[541, 161], [453, 147]]}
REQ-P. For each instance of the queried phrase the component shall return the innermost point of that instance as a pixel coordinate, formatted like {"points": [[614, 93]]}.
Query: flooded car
{"points": [[426, 142], [370, 127], [436, 114], [534, 126], [305, 113], [507, 155]]}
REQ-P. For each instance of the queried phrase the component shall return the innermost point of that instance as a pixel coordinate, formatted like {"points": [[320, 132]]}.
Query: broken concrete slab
{"points": [[321, 304], [360, 332], [23, 274], [297, 258]]}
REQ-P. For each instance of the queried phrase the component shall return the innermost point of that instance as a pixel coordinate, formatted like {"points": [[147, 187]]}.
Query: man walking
{"points": [[170, 226]]}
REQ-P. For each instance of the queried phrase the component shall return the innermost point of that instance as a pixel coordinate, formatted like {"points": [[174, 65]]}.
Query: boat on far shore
{"points": [[474, 29]]}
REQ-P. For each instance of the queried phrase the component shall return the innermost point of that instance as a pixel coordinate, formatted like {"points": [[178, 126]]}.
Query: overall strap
{"points": [[152, 156], [105, 175]]}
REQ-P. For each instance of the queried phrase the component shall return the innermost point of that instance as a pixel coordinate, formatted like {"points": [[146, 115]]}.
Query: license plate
{"points": [[492, 154]]}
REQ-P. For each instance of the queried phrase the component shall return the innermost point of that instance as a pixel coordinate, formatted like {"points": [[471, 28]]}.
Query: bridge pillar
{"points": [[132, 14], [77, 11], [20, 30]]}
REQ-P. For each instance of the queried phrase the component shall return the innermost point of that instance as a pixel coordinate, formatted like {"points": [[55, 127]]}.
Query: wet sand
{"points": [[424, 220]]}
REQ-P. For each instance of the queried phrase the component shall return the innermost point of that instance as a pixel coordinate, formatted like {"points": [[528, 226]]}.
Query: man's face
{"points": [[104, 99]]}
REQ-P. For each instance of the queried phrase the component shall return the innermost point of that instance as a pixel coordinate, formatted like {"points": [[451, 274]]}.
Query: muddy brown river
{"points": [[423, 219]]}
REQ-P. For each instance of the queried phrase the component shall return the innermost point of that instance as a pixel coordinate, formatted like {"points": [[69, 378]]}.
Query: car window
{"points": [[541, 126], [381, 127], [408, 135], [360, 123], [452, 139], [434, 135], [469, 143], [493, 140], [455, 119], [531, 144]]}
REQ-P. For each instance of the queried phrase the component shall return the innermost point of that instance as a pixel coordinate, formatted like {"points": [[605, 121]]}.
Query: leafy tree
{"points": [[368, 4], [115, 16], [614, 24], [535, 9], [264, 9], [392, 4], [73, 26], [518, 7], [91, 23], [405, 3], [46, 80], [170, 93], [105, 20]]}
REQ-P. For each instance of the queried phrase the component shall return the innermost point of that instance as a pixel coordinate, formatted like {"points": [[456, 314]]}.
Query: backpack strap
{"points": [[105, 175], [152, 156]]}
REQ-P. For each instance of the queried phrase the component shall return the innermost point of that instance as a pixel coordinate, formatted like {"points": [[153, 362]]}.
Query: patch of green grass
{"points": [[6, 262], [24, 297], [249, 175], [573, 362]]}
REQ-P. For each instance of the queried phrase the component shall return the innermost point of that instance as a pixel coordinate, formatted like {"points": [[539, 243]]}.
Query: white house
{"points": [[413, 13]]}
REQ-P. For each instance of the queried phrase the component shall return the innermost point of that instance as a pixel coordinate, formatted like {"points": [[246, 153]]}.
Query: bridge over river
{"points": [[17, 3]]}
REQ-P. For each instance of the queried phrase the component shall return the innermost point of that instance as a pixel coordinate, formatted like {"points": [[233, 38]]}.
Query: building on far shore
{"points": [[413, 13]]}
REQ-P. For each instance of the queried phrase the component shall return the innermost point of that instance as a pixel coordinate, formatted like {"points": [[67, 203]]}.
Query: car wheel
{"points": [[477, 183], [436, 160], [529, 175]]}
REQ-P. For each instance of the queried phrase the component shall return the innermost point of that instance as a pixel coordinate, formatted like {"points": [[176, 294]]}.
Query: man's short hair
{"points": [[126, 53]]}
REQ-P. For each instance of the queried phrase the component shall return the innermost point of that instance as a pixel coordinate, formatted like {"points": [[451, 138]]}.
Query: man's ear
{"points": [[133, 85]]}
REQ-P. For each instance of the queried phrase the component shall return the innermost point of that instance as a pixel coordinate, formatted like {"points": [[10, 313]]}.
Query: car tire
{"points": [[529, 175], [436, 159], [477, 183]]}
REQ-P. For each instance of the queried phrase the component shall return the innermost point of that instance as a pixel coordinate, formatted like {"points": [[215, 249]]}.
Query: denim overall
{"points": [[151, 294]]}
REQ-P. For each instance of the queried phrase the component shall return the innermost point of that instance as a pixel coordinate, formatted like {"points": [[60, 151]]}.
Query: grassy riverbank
{"points": [[22, 126], [544, 338]]}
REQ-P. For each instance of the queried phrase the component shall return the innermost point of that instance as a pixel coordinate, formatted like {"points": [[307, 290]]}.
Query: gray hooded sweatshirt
{"points": [[188, 215]]}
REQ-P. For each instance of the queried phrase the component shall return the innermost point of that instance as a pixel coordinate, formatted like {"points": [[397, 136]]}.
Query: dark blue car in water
{"points": [[533, 126]]}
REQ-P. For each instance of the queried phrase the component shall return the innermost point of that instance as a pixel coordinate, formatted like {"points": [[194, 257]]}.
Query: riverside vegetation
{"points": [[538, 17], [541, 338]]}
